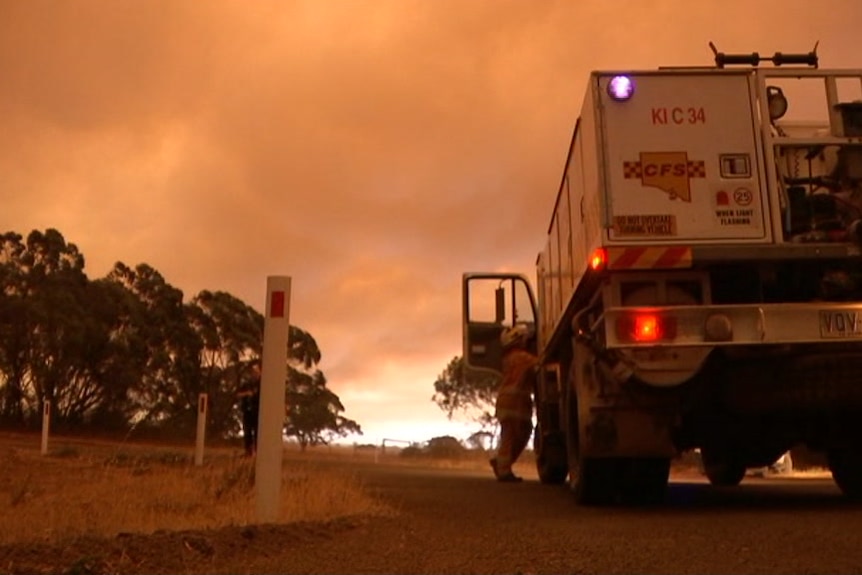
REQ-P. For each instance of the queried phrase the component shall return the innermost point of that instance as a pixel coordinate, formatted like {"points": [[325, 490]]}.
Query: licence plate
{"points": [[840, 324]]}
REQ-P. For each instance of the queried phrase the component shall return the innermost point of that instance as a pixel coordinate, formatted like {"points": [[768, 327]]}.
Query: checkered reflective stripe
{"points": [[696, 169], [632, 170], [649, 257]]}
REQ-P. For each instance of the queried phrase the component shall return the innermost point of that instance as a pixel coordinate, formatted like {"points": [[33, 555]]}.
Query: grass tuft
{"points": [[52, 499]]}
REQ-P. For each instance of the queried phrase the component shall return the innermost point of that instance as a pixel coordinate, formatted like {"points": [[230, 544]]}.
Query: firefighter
{"points": [[514, 406]]}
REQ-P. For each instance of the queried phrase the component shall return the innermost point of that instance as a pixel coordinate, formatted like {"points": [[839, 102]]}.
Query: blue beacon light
{"points": [[621, 88]]}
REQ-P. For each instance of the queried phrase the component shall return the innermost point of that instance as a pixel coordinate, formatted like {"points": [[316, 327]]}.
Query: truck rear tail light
{"points": [[599, 259], [621, 88], [646, 327]]}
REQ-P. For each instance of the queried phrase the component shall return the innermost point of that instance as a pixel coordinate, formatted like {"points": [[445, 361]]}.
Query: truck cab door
{"points": [[491, 303]]}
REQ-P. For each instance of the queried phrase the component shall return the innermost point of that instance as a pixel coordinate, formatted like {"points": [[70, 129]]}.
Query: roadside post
{"points": [[46, 425], [202, 429], [270, 427]]}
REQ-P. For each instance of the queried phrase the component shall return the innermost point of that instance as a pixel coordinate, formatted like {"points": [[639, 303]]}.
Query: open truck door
{"points": [[491, 303]]}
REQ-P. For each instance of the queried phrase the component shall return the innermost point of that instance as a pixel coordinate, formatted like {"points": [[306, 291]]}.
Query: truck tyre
{"points": [[594, 481], [721, 469], [846, 467], [551, 463], [646, 480], [549, 441]]}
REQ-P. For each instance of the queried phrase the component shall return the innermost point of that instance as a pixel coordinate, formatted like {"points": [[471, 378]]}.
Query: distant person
{"points": [[249, 404], [514, 406]]}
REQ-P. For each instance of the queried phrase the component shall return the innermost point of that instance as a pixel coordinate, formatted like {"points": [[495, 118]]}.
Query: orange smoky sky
{"points": [[371, 150]]}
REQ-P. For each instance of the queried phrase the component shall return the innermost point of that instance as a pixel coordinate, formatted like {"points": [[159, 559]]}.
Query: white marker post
{"points": [[46, 425], [270, 427], [202, 429]]}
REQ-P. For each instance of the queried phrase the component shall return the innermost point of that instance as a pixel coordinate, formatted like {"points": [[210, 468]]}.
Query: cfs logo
{"points": [[670, 172]]}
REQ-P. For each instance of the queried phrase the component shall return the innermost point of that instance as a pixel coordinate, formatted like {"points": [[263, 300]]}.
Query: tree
{"points": [[314, 411], [126, 350], [465, 390], [57, 334], [480, 440], [445, 447], [232, 336], [13, 329], [159, 330], [115, 356], [46, 288]]}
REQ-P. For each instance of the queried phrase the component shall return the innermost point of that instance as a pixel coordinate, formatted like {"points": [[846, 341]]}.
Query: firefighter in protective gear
{"points": [[514, 406]]}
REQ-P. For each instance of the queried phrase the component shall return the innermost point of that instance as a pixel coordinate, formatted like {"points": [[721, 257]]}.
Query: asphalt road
{"points": [[464, 522]]}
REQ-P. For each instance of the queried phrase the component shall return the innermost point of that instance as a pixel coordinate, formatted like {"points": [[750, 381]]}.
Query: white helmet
{"points": [[518, 334]]}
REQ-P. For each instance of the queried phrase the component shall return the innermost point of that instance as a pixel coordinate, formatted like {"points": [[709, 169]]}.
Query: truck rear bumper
{"points": [[733, 325]]}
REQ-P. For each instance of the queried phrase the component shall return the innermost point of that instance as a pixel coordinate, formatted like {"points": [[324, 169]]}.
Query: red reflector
{"points": [[276, 307], [599, 259], [646, 327]]}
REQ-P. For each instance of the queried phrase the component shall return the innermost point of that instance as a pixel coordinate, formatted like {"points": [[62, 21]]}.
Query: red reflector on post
{"points": [[276, 304]]}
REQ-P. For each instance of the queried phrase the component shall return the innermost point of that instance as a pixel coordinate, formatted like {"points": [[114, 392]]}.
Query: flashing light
{"points": [[621, 88], [599, 259], [646, 327]]}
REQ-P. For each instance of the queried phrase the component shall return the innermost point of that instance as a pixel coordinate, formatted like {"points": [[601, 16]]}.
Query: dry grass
{"points": [[77, 491]]}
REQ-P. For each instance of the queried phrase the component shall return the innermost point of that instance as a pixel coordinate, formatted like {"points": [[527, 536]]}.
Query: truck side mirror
{"points": [[500, 307]]}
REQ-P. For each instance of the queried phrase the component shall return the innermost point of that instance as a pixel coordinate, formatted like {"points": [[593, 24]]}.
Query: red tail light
{"points": [[646, 327], [599, 259]]}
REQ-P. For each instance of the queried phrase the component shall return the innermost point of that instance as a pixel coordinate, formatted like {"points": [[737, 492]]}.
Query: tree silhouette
{"points": [[126, 351], [161, 330], [471, 392], [14, 334], [314, 411]]}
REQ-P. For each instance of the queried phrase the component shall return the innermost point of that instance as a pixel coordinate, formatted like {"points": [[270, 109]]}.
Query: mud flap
{"points": [[627, 432]]}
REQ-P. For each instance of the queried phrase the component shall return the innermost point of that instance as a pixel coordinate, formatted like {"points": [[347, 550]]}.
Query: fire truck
{"points": [[700, 285]]}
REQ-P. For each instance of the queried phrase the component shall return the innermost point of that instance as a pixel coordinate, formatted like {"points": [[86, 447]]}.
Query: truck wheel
{"points": [[551, 463], [590, 483], [596, 480], [646, 480], [846, 467], [721, 469]]}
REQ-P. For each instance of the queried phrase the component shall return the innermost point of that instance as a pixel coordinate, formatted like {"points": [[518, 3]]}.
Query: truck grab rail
{"points": [[753, 59]]}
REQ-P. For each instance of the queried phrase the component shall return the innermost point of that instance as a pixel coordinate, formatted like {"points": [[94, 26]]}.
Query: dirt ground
{"points": [[28, 474], [230, 549]]}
